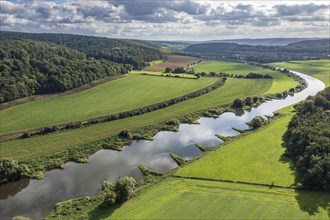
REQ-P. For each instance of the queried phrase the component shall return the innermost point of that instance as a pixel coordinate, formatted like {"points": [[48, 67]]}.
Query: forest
{"points": [[30, 67], [131, 52], [307, 140]]}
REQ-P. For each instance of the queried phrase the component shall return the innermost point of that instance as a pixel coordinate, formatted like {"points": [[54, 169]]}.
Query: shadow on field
{"points": [[312, 201], [309, 201], [102, 213]]}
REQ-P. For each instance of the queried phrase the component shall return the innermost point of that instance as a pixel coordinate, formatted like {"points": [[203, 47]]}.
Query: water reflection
{"points": [[36, 198]]}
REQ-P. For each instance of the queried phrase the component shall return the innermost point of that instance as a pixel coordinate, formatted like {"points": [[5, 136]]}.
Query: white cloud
{"points": [[186, 20]]}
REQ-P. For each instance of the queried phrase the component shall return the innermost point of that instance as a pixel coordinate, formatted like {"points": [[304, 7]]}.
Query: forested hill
{"points": [[123, 51], [296, 51], [32, 67]]}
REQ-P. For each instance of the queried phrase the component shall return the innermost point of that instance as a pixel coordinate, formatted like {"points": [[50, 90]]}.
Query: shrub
{"points": [[124, 188], [125, 134], [10, 170], [256, 122], [238, 103]]}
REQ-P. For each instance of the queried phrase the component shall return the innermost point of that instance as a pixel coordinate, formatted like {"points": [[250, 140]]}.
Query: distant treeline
{"points": [[316, 49], [131, 52], [307, 140], [31, 67]]}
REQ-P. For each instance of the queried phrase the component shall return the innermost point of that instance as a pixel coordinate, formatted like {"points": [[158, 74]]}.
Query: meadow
{"points": [[281, 82], [26, 149], [112, 97], [316, 68], [176, 198], [252, 158], [153, 73]]}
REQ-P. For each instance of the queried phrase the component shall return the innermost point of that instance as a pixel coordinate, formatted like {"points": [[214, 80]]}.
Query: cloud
{"points": [[154, 19], [289, 10]]}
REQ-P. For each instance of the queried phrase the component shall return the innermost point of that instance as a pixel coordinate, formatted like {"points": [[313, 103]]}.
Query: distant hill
{"points": [[264, 41], [310, 49], [123, 51], [319, 42]]}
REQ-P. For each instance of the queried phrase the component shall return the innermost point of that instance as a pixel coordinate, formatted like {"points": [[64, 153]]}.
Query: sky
{"points": [[169, 19]]}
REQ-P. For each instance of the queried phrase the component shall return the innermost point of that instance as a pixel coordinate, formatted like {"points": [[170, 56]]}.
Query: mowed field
{"points": [[317, 68], [30, 148], [255, 158], [281, 82], [173, 61], [199, 199], [112, 97], [182, 75]]}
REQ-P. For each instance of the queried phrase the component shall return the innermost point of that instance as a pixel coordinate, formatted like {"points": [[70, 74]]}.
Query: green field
{"points": [[281, 82], [317, 68], [112, 97], [198, 199], [30, 148], [252, 158], [155, 62], [182, 75]]}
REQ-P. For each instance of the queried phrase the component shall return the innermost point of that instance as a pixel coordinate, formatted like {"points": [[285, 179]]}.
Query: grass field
{"points": [[281, 82], [155, 62], [45, 145], [317, 68], [255, 158], [112, 97], [182, 75], [173, 61], [197, 199]]}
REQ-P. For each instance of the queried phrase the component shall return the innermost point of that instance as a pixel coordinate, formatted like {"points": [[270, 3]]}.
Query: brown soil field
{"points": [[173, 61]]}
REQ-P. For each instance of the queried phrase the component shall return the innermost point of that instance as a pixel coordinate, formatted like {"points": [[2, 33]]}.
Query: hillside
{"points": [[30, 67], [123, 51], [297, 51]]}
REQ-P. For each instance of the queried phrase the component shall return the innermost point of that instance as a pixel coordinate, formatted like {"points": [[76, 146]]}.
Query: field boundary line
{"points": [[238, 182]]}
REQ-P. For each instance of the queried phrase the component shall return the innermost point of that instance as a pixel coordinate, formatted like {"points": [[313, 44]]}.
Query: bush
{"points": [[125, 134], [238, 103], [110, 198], [124, 188], [256, 122], [10, 170]]}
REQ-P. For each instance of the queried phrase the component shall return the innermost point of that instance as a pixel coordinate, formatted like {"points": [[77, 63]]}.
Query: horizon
{"points": [[190, 20], [176, 41]]}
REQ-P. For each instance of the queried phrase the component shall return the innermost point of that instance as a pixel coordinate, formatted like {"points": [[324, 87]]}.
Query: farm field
{"points": [[181, 75], [199, 199], [254, 158], [112, 97], [316, 68], [173, 61], [281, 82], [30, 148], [155, 62]]}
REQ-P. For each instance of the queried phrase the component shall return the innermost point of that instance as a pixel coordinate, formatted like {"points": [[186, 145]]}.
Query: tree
{"points": [[168, 70], [248, 101], [124, 188], [256, 122], [238, 103]]}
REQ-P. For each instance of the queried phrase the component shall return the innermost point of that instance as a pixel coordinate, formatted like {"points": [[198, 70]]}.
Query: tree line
{"points": [[30, 67], [307, 140]]}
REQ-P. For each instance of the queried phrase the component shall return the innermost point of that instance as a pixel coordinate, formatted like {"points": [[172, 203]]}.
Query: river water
{"points": [[37, 198]]}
